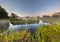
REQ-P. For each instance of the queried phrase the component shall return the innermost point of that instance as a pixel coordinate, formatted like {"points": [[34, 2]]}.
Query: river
{"points": [[31, 27]]}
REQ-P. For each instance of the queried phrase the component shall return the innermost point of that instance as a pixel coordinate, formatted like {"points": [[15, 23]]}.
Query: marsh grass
{"points": [[49, 33], [45, 33], [14, 21]]}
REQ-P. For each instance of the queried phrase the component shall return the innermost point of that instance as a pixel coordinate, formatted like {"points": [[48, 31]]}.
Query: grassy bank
{"points": [[4, 24], [52, 20], [49, 33], [17, 21]]}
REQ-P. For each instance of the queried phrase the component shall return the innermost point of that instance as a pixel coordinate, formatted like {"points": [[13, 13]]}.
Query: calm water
{"points": [[30, 27], [26, 26]]}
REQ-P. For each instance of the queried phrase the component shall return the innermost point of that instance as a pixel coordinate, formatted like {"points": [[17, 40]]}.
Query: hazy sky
{"points": [[31, 7]]}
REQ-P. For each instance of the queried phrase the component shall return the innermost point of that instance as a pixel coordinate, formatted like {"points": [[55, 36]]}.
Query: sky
{"points": [[31, 7]]}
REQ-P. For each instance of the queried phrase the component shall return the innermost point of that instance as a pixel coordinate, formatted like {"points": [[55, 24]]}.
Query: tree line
{"points": [[4, 14]]}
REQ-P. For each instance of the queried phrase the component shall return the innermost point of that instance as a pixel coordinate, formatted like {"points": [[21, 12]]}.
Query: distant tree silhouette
{"points": [[46, 16], [56, 14], [13, 16], [38, 17], [3, 13]]}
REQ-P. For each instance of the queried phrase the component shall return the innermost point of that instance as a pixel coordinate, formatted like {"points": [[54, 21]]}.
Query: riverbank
{"points": [[4, 24], [18, 21], [47, 33], [51, 20]]}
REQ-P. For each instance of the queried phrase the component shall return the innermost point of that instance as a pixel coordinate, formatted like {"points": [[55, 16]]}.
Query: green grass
{"points": [[49, 33], [45, 33], [52, 20], [14, 21], [21, 36]]}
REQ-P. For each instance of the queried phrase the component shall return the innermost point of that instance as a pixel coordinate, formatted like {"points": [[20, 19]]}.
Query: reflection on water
{"points": [[31, 27]]}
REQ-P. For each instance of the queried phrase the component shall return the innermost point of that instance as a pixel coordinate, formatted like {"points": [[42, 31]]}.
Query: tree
{"points": [[38, 17], [46, 16], [13, 16], [3, 13], [56, 14]]}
